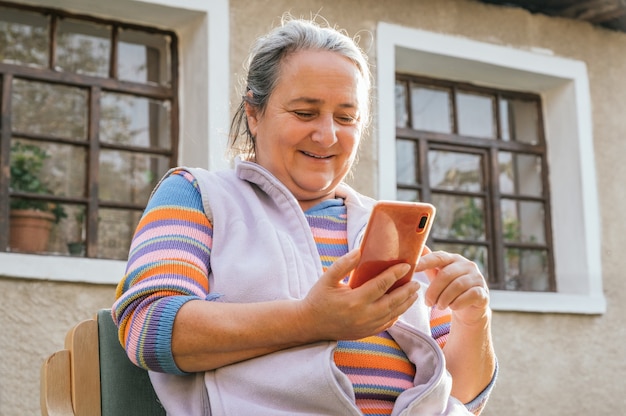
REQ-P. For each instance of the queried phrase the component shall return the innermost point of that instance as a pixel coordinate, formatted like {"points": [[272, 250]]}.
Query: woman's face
{"points": [[309, 132]]}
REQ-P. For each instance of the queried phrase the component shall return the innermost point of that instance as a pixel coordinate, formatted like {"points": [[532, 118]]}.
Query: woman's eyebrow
{"points": [[317, 101]]}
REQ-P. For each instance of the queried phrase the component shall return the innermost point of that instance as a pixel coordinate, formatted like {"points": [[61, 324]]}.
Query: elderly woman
{"points": [[235, 296]]}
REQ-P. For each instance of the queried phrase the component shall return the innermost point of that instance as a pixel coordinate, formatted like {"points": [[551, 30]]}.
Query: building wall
{"points": [[550, 364]]}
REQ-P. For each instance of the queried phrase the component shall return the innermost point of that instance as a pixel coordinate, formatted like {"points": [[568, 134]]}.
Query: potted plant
{"points": [[30, 219]]}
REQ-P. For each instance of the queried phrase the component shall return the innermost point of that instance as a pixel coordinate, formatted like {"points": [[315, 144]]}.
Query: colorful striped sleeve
{"points": [[168, 266]]}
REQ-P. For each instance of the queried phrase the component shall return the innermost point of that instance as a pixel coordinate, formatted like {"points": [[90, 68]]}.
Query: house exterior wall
{"points": [[550, 364]]}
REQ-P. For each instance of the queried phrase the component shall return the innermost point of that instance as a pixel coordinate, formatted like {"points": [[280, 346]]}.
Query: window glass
{"points": [[459, 217], [430, 109], [520, 174], [49, 109], [406, 162], [519, 121], [23, 38], [475, 115], [526, 270], [115, 231], [134, 121], [523, 221], [408, 195], [143, 57], [455, 170], [129, 177], [402, 117], [83, 47]]}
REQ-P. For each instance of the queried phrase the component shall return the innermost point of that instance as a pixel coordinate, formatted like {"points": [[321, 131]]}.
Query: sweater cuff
{"points": [[169, 307]]}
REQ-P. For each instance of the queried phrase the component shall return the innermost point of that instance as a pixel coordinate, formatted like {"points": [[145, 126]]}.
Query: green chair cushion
{"points": [[124, 387]]}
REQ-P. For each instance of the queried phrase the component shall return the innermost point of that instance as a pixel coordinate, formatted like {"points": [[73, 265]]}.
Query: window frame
{"points": [[563, 86], [94, 87], [488, 149], [200, 27]]}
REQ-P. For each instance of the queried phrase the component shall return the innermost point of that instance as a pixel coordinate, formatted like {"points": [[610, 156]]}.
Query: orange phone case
{"points": [[396, 233]]}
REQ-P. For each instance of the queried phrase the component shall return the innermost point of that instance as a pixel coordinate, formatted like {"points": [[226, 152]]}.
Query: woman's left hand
{"points": [[455, 283]]}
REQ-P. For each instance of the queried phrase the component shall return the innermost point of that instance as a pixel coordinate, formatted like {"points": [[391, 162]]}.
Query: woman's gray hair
{"points": [[264, 64]]}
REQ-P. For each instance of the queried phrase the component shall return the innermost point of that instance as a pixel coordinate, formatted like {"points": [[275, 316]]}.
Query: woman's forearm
{"points": [[209, 335], [470, 357]]}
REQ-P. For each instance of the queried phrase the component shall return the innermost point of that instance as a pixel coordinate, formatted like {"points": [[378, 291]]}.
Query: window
{"points": [[479, 155], [562, 87], [89, 124]]}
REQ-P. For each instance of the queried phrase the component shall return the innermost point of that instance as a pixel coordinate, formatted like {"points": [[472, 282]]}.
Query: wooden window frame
{"points": [[488, 148], [95, 86]]}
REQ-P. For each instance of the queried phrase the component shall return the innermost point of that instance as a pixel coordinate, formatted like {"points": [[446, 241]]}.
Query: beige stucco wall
{"points": [[550, 364]]}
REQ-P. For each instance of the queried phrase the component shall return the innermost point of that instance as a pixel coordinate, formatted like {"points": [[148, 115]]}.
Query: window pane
{"points": [[459, 217], [402, 117], [48, 168], [455, 171], [115, 231], [523, 221], [48, 109], [519, 121], [83, 48], [143, 57], [408, 195], [69, 235], [430, 109], [526, 270], [23, 38], [135, 121], [406, 162], [520, 174], [129, 177], [477, 254], [475, 113]]}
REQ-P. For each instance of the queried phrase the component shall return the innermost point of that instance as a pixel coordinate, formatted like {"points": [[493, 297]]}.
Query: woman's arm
{"points": [[456, 283], [167, 324]]}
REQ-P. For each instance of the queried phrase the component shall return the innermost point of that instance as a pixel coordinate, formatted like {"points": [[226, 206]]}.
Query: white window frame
{"points": [[203, 35], [564, 88]]}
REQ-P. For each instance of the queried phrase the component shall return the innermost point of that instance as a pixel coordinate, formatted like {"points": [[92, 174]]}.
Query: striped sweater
{"points": [[169, 264]]}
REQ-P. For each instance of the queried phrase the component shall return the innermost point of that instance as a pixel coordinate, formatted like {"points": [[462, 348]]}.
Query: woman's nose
{"points": [[325, 132]]}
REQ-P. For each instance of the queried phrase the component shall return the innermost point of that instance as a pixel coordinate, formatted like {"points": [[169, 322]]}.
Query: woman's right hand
{"points": [[335, 311]]}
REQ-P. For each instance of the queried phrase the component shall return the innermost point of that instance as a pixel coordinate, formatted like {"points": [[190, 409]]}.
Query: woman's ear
{"points": [[252, 115]]}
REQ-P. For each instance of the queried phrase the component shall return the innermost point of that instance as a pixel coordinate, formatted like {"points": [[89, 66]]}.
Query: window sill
{"points": [[542, 302], [61, 269]]}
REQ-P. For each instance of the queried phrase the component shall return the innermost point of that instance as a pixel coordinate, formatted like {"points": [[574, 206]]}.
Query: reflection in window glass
{"points": [[49, 109], [523, 221], [477, 254], [430, 109], [23, 38], [519, 121], [475, 114], [115, 231], [406, 162], [410, 195], [526, 270], [402, 118], [134, 121], [48, 168], [455, 170], [143, 57], [129, 177], [459, 217], [520, 174], [83, 48]]}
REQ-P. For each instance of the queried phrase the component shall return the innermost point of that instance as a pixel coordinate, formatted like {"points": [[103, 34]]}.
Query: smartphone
{"points": [[396, 233]]}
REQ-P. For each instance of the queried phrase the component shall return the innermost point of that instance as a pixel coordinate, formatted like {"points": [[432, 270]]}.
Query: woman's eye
{"points": [[347, 119], [303, 114]]}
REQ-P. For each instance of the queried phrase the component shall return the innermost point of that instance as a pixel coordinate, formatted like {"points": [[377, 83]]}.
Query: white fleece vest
{"points": [[263, 249]]}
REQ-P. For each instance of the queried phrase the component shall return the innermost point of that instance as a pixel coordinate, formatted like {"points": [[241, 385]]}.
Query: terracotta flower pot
{"points": [[29, 230]]}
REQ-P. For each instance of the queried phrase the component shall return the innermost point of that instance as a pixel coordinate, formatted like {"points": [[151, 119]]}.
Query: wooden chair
{"points": [[93, 376]]}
